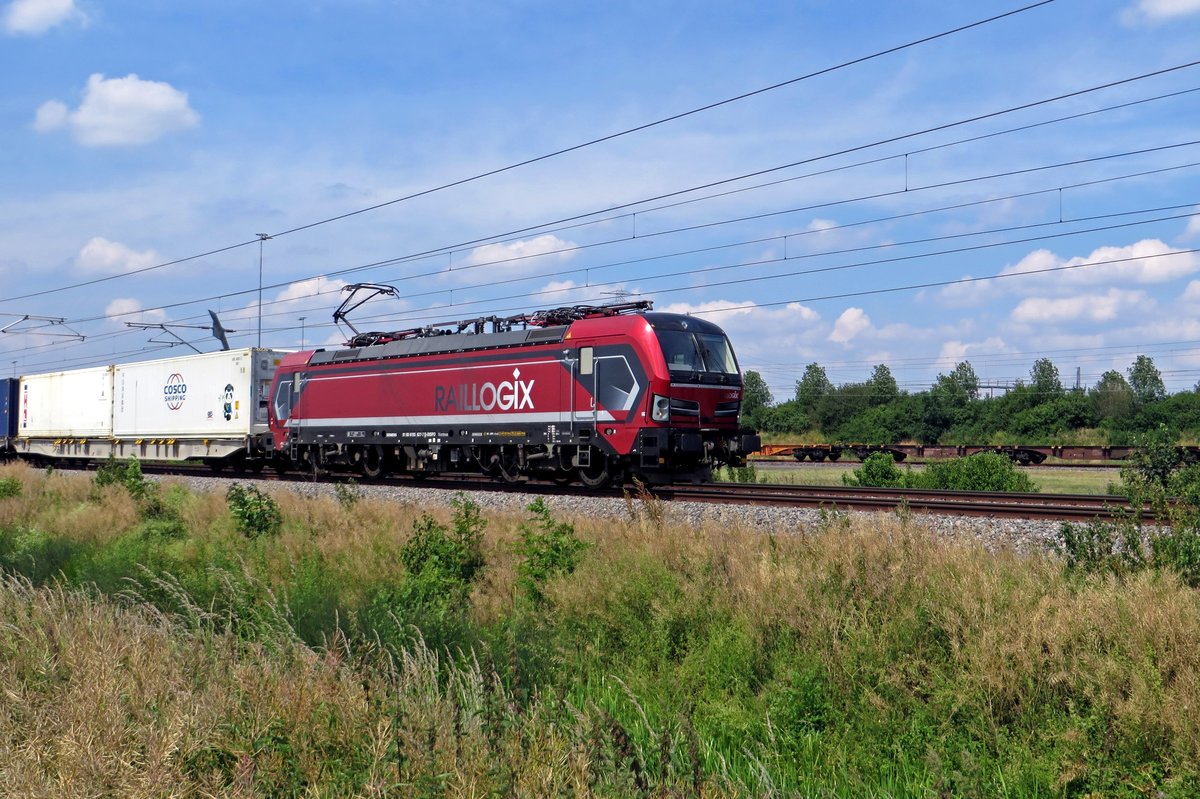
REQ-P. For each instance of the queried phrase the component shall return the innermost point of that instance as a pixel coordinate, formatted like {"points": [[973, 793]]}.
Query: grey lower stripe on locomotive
{"points": [[428, 421], [721, 387]]}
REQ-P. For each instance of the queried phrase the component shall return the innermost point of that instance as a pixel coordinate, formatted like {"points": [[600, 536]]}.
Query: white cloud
{"points": [[852, 322], [310, 298], [1192, 231], [1160, 10], [128, 309], [120, 112], [567, 292], [1192, 292], [955, 352], [1090, 307], [522, 250], [101, 256], [725, 312], [1146, 261], [32, 17], [51, 115]]}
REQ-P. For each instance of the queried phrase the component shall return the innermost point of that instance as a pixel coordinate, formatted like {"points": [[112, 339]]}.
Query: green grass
{"points": [[149, 646]]}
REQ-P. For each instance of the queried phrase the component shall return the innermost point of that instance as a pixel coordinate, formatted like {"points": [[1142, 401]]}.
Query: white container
{"points": [[74, 404], [216, 395]]}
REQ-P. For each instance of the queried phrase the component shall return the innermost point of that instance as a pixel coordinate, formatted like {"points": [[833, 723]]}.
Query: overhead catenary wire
{"points": [[570, 149], [809, 207], [284, 328]]}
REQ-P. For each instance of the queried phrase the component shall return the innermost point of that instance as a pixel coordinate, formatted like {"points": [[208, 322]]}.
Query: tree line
{"points": [[1117, 410]]}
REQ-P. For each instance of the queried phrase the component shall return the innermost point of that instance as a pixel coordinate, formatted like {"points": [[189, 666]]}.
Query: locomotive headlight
{"points": [[660, 409]]}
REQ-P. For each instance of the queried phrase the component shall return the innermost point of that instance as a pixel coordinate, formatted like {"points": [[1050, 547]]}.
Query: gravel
{"points": [[1023, 536]]}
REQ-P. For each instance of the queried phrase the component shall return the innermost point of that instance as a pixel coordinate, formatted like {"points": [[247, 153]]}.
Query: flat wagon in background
{"points": [[1023, 455]]}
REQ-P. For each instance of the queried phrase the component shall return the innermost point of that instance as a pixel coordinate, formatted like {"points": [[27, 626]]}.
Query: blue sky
{"points": [[137, 134]]}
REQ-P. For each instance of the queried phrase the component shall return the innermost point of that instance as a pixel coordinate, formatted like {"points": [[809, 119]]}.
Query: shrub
{"points": [[1179, 551], [743, 474], [10, 487], [348, 494], [548, 549], [1155, 460], [447, 559], [127, 474], [1102, 548], [256, 513], [878, 470], [442, 564], [983, 471]]}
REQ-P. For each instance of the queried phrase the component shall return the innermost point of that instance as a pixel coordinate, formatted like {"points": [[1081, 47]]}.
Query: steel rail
{"points": [[1048, 507], [1054, 507]]}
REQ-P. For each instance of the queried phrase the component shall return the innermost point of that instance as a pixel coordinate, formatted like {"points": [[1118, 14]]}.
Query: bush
{"points": [[442, 565], [878, 470], [256, 513], [1102, 548], [547, 549], [1179, 551], [127, 474], [449, 560], [348, 494], [983, 471], [10, 487]]}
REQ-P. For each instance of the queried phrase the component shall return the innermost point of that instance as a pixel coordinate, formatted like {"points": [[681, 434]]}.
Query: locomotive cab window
{"points": [[685, 351], [283, 399], [716, 353]]}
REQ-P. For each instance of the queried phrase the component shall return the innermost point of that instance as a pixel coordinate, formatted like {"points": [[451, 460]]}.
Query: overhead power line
{"points": [[565, 150], [810, 207]]}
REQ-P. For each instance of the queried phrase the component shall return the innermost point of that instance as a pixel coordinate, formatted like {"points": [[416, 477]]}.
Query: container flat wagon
{"points": [[211, 407]]}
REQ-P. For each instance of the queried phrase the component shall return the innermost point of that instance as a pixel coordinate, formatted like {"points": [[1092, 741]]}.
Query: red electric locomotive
{"points": [[589, 393]]}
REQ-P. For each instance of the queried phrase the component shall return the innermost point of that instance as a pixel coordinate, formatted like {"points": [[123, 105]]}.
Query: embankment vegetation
{"points": [[157, 641]]}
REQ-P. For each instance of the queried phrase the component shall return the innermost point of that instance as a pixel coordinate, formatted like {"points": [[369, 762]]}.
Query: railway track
{"points": [[1078, 508], [1053, 507]]}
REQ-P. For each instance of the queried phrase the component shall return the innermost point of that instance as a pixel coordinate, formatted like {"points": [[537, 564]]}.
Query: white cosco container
{"points": [[74, 404], [215, 395]]}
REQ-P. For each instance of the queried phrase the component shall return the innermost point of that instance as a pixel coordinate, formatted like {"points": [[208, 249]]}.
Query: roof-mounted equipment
{"points": [[478, 325]]}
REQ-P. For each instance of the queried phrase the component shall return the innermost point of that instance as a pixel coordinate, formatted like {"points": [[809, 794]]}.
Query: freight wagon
{"points": [[210, 407], [8, 416]]}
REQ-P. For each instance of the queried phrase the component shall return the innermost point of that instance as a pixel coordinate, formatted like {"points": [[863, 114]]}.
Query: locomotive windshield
{"points": [[688, 351]]}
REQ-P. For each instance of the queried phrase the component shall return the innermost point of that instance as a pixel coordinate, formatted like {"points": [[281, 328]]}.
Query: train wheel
{"points": [[597, 475], [372, 463], [508, 469]]}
